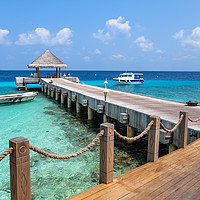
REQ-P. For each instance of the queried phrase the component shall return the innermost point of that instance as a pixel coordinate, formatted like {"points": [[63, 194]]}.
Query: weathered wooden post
{"points": [[105, 118], [45, 89], [78, 107], [20, 181], [153, 140], [59, 95], [69, 102], [48, 90], [90, 113], [182, 130], [106, 153], [62, 100]]}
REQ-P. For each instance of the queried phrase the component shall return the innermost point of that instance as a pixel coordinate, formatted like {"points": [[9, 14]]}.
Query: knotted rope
{"points": [[88, 147], [5, 153], [132, 139], [175, 127], [193, 120]]}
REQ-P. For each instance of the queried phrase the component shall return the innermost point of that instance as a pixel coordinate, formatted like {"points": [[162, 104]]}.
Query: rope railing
{"points": [[5, 153], [194, 120], [132, 139], [175, 127], [54, 156]]}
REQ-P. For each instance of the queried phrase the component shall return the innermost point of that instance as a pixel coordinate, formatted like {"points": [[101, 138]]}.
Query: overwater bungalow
{"points": [[48, 60]]}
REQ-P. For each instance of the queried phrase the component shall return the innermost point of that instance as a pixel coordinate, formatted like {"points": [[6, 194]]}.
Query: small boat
{"points": [[16, 98], [192, 103], [129, 78]]}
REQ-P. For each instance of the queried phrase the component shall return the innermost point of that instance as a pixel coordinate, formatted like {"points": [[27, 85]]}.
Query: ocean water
{"points": [[53, 128]]}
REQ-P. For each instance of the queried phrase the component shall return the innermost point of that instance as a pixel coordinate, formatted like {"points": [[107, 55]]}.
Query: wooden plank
{"points": [[175, 172]]}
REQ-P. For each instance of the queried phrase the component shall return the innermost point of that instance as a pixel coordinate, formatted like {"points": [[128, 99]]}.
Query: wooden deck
{"points": [[174, 176]]}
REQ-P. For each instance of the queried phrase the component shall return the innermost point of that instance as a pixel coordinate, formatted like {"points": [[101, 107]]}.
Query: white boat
{"points": [[16, 98], [129, 78]]}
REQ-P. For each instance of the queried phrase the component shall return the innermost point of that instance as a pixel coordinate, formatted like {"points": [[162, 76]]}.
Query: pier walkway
{"points": [[173, 176], [139, 107]]}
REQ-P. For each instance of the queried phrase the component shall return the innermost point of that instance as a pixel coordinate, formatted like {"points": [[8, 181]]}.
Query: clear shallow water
{"points": [[49, 126]]}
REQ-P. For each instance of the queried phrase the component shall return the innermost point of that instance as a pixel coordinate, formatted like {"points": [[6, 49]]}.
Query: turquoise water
{"points": [[50, 127], [177, 90]]}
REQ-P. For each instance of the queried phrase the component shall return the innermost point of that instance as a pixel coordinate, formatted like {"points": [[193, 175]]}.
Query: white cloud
{"points": [[160, 51], [113, 28], [192, 40], [4, 37], [62, 37], [119, 56], [116, 26], [43, 36], [97, 51], [179, 34], [144, 44], [87, 58]]}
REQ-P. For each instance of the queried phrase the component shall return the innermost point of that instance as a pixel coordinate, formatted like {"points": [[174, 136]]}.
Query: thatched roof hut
{"points": [[48, 60]]}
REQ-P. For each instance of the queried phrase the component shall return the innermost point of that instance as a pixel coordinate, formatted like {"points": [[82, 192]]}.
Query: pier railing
{"points": [[19, 147]]}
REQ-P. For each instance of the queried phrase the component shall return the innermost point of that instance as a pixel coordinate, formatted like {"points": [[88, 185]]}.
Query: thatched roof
{"points": [[47, 60]]}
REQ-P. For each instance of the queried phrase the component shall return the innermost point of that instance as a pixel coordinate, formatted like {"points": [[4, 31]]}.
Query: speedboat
{"points": [[16, 98], [129, 78]]}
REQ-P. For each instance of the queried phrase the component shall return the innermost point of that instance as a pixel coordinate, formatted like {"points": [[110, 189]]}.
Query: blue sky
{"points": [[102, 35]]}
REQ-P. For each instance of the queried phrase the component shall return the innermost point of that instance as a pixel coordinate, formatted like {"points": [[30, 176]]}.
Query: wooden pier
{"points": [[138, 108], [173, 176], [22, 82]]}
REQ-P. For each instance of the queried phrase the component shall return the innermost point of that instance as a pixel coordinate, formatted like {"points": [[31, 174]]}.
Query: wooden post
{"points": [[69, 102], [182, 131], [38, 72], [62, 99], [153, 140], [56, 72], [105, 118], [106, 153], [59, 73], [59, 94], [20, 181], [56, 97], [90, 113], [47, 90], [78, 107]]}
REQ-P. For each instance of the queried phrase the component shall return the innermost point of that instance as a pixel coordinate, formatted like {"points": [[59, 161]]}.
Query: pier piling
{"points": [[90, 113]]}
